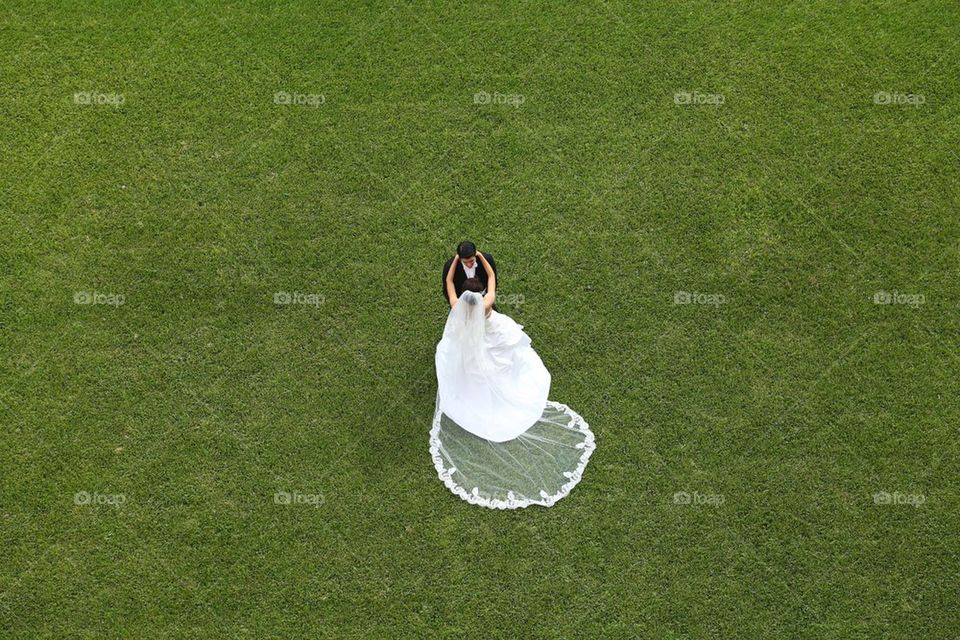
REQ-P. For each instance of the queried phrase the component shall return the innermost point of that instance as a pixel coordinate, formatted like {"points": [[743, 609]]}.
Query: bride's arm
{"points": [[451, 290], [491, 296]]}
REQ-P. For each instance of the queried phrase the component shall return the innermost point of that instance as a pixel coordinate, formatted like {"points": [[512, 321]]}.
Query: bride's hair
{"points": [[473, 284]]}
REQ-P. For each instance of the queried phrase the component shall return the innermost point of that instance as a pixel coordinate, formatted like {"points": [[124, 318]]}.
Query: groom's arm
{"points": [[491, 296], [443, 277], [493, 265], [448, 283]]}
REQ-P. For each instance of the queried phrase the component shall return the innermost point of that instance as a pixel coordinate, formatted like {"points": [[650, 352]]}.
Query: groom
{"points": [[467, 267]]}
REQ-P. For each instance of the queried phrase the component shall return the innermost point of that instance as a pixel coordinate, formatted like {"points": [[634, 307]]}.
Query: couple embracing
{"points": [[497, 440]]}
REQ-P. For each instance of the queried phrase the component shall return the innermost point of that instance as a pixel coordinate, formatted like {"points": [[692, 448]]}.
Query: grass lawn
{"points": [[731, 230]]}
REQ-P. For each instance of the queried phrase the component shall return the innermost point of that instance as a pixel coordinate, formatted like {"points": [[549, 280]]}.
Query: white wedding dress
{"points": [[496, 439]]}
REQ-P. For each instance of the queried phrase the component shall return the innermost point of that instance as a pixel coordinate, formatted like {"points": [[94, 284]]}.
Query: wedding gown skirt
{"points": [[503, 402], [496, 440]]}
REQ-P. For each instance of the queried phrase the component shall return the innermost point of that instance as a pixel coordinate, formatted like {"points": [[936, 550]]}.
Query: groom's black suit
{"points": [[459, 276]]}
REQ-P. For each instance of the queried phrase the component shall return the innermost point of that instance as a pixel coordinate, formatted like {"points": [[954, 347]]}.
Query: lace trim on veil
{"points": [[546, 500]]}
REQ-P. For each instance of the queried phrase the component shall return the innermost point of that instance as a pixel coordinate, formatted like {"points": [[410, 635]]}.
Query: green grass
{"points": [[198, 198]]}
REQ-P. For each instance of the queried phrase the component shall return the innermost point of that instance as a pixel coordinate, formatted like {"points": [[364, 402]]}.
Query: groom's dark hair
{"points": [[473, 284], [466, 249]]}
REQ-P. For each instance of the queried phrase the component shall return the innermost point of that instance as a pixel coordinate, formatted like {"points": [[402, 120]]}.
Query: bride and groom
{"points": [[497, 440]]}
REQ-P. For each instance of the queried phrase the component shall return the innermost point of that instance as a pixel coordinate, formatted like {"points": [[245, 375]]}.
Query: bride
{"points": [[497, 440]]}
